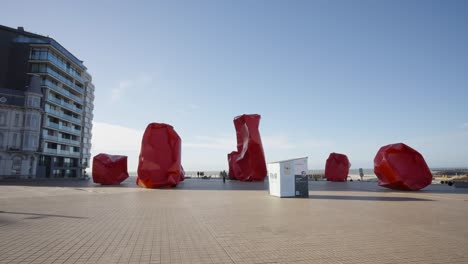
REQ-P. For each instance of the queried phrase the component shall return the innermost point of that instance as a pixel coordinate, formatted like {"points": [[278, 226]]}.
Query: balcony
{"points": [[57, 63], [62, 115], [65, 165], [61, 140], [64, 104], [59, 77], [61, 152], [63, 128], [61, 91]]}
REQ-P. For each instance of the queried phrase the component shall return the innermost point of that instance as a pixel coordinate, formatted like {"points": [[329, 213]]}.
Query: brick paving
{"points": [[204, 221]]}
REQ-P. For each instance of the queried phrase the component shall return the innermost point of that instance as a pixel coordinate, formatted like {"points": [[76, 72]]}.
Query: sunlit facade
{"points": [[67, 100]]}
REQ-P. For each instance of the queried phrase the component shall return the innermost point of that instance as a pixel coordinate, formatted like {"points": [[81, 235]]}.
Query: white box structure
{"points": [[288, 178]]}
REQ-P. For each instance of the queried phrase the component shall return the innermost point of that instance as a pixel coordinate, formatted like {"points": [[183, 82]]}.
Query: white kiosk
{"points": [[288, 178]]}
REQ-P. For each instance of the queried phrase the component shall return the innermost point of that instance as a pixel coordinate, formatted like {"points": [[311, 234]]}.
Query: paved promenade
{"points": [[204, 221]]}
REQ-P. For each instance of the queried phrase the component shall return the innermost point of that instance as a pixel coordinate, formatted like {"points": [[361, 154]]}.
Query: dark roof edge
{"points": [[52, 42]]}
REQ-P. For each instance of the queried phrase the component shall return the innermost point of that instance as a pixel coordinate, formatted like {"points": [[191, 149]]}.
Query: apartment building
{"points": [[66, 102]]}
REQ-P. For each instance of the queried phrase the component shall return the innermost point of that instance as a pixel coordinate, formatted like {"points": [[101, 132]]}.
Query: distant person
{"points": [[361, 173], [223, 174]]}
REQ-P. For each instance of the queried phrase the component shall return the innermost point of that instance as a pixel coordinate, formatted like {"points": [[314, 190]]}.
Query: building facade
{"points": [[66, 98], [20, 127]]}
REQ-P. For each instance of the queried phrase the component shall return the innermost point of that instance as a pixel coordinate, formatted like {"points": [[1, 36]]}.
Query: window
{"points": [[33, 141], [3, 116], [28, 120], [38, 53], [30, 141], [1, 140], [33, 102], [15, 139], [17, 117], [26, 140], [34, 121], [49, 132], [16, 165], [57, 173]]}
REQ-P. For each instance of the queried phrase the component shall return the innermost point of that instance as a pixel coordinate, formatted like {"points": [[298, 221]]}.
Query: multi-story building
{"points": [[67, 95], [20, 127]]}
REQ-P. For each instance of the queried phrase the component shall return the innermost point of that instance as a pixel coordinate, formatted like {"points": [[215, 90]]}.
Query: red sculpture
{"points": [[402, 168], [109, 169], [337, 167], [182, 173], [159, 164], [233, 168], [248, 162]]}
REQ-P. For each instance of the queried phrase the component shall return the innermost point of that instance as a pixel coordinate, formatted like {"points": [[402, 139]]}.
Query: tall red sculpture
{"points": [[248, 162], [337, 167], [402, 168], [231, 160], [159, 164], [182, 173], [109, 169]]}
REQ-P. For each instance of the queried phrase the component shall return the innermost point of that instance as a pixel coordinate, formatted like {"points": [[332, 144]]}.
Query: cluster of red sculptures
{"points": [[397, 166], [159, 164], [248, 162]]}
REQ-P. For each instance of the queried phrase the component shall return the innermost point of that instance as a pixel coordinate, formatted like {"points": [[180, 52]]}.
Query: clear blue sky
{"points": [[326, 76]]}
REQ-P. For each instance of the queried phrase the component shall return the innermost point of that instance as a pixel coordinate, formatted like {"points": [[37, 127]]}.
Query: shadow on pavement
{"points": [[42, 215], [230, 185], [357, 186], [369, 198], [73, 183], [218, 185]]}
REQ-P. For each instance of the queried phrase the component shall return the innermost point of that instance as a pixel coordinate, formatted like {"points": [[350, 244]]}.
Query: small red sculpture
{"points": [[337, 167], [159, 163], [109, 169], [402, 168]]}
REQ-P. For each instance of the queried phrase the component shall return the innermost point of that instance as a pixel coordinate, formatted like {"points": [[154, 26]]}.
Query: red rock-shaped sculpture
{"points": [[182, 173], [248, 162], [402, 168], [159, 164], [109, 169], [337, 167]]}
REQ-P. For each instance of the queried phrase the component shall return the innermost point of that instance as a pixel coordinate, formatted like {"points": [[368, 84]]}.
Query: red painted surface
{"points": [[248, 162], [337, 167], [109, 169], [400, 167], [159, 164], [233, 168]]}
